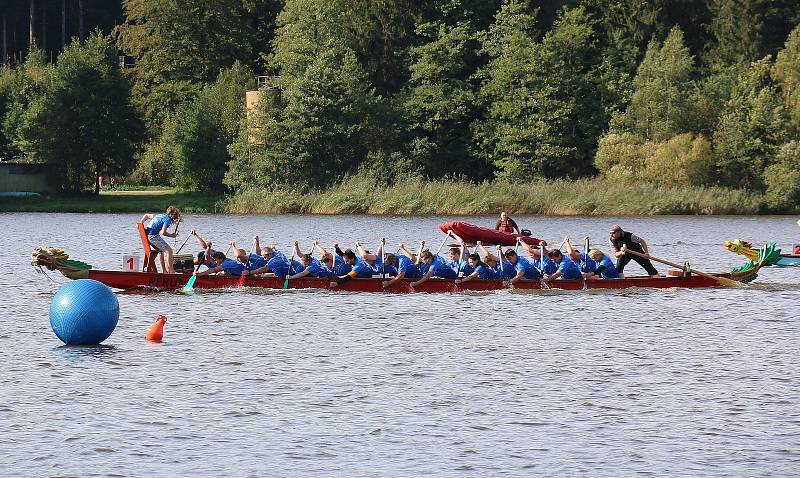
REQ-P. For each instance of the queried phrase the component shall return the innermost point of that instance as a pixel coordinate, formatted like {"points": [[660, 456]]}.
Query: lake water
{"points": [[319, 384]]}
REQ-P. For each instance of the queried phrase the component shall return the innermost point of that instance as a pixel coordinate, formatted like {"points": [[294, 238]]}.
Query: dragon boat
{"points": [[777, 258], [56, 259], [471, 234]]}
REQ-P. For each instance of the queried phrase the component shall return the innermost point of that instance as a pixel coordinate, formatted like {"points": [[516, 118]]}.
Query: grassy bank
{"points": [[115, 202], [581, 197]]}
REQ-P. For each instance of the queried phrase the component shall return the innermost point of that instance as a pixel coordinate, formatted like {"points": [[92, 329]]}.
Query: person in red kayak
{"points": [[506, 224]]}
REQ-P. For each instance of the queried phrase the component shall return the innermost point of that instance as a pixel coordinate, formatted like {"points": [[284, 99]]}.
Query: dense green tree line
{"points": [[676, 92]]}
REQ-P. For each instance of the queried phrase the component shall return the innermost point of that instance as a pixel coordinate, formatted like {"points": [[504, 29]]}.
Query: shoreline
{"points": [[360, 196]]}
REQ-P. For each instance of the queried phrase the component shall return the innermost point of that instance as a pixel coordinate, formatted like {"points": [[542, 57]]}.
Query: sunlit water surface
{"points": [[315, 383]]}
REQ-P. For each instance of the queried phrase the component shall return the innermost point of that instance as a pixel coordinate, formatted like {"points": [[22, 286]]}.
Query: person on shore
{"points": [[226, 266], [605, 266], [619, 238], [523, 268], [403, 265], [480, 270], [586, 264], [567, 269], [506, 224], [157, 228]]}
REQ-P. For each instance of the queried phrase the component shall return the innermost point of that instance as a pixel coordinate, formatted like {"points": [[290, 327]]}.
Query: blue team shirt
{"points": [[527, 269], [486, 272], [232, 267], [158, 223], [568, 268], [254, 261], [549, 267], [461, 266], [442, 269], [404, 264], [506, 272], [341, 268], [587, 264], [610, 272], [316, 269], [364, 269]]}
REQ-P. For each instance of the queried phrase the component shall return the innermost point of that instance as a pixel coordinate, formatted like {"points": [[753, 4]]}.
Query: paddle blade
{"points": [[190, 284], [286, 283]]}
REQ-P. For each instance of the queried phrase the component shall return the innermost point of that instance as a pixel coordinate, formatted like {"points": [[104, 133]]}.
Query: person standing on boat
{"points": [[506, 224], [157, 228], [619, 239]]}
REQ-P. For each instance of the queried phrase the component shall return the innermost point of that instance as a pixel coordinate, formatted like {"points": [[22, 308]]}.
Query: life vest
{"points": [[505, 226]]}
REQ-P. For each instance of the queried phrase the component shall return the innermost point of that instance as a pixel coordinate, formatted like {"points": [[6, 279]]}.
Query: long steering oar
{"points": [[721, 280]]}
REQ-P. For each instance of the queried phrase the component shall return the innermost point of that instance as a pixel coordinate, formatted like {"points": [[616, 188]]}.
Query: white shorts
{"points": [[158, 242]]}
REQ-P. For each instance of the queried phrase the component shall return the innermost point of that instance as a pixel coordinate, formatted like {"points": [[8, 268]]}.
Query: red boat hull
{"points": [[472, 233], [153, 280]]}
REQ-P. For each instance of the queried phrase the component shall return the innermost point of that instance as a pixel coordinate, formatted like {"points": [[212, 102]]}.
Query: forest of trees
{"points": [[678, 92]]}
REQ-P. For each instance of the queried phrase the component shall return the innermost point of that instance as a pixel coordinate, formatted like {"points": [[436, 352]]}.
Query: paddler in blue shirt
{"points": [[157, 228], [311, 267], [364, 265], [525, 269], [479, 270], [567, 269], [404, 266], [585, 263], [229, 267], [277, 263], [544, 266], [504, 269], [204, 257], [606, 269], [433, 266]]}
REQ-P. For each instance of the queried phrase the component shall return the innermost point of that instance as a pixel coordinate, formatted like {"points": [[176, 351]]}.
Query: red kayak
{"points": [[472, 233]]}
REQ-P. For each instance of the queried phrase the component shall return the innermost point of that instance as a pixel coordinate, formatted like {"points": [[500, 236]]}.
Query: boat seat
{"points": [[150, 252]]}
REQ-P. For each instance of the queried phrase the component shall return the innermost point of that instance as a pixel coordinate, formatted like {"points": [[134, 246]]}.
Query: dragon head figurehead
{"points": [[54, 258], [742, 248]]}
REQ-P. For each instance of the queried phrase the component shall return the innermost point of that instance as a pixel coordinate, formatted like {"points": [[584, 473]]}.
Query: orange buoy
{"points": [[156, 331]]}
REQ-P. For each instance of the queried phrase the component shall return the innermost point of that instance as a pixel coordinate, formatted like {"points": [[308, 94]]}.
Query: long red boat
{"points": [[471, 233], [160, 281]]}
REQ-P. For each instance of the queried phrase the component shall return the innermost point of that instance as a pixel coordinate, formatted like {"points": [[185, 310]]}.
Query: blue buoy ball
{"points": [[84, 312]]}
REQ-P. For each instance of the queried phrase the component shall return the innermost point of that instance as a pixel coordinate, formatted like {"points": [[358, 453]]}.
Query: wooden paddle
{"points": [[720, 280]]}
